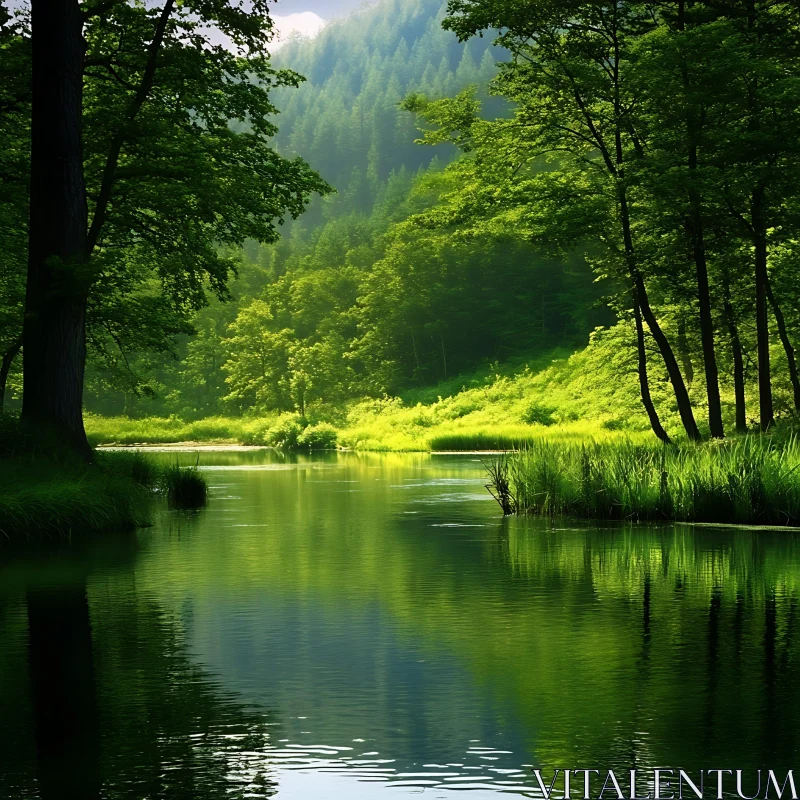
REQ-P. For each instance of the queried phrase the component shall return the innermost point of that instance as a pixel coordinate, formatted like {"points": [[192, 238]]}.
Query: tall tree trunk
{"points": [[706, 319], [765, 405], [738, 360], [787, 344], [644, 381], [683, 351], [694, 226], [667, 353], [54, 334], [671, 363], [5, 368]]}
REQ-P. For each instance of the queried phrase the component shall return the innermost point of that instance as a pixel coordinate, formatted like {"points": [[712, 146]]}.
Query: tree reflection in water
{"points": [[114, 706]]}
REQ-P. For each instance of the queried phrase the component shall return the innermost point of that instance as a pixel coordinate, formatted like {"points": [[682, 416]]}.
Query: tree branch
{"points": [[145, 86]]}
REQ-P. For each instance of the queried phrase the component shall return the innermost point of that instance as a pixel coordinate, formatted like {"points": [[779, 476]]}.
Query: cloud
{"points": [[306, 23]]}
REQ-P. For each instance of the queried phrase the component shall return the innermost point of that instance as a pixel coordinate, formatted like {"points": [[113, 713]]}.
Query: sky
{"points": [[309, 16], [326, 9]]}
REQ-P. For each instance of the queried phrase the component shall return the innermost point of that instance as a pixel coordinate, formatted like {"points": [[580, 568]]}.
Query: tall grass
{"points": [[185, 487], [52, 501], [753, 480]]}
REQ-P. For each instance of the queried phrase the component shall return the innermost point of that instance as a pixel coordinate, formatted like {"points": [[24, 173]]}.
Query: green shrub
{"points": [[539, 414], [286, 434], [13, 442], [614, 424], [319, 437]]}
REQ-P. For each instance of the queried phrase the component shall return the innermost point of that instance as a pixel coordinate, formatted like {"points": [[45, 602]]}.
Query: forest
{"points": [[434, 225]]}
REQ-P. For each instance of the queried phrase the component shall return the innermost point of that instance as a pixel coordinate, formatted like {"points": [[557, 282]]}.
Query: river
{"points": [[368, 626]]}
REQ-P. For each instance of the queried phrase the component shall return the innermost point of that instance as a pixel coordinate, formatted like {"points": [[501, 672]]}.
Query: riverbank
{"points": [[49, 493], [754, 480], [492, 409], [40, 498]]}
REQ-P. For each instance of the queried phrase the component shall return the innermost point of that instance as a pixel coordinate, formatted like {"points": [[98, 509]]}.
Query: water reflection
{"points": [[62, 677], [329, 627]]}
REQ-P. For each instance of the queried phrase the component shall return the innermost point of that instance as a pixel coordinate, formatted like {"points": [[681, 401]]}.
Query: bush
{"points": [[286, 434], [539, 414], [319, 437]]}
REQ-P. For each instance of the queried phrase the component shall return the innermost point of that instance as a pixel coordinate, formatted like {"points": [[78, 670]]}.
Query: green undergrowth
{"points": [[753, 480], [41, 498], [590, 395]]}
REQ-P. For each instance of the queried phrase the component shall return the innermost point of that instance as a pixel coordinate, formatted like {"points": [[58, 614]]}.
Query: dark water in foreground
{"points": [[354, 626]]}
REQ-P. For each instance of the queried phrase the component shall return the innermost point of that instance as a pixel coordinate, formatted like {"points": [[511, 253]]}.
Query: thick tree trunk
{"points": [[5, 368], [766, 410], [54, 335], [738, 363], [787, 345], [644, 381]]}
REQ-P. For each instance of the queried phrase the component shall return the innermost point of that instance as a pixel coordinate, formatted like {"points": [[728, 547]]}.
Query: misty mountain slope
{"points": [[345, 119]]}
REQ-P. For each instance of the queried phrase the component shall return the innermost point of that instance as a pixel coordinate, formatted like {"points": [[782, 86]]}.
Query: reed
{"points": [[754, 480], [185, 487]]}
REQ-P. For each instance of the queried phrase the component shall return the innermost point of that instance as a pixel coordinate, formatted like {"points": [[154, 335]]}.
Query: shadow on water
{"points": [[107, 701], [62, 676]]}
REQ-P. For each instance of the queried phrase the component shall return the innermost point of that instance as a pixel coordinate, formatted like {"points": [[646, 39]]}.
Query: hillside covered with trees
{"points": [[356, 299], [477, 207]]}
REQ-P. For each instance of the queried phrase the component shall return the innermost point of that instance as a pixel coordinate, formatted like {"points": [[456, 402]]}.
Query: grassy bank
{"points": [[589, 395], [42, 498], [45, 492], [492, 409], [754, 480]]}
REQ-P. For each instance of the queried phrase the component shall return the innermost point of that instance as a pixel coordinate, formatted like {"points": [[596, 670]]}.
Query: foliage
{"points": [[319, 437], [286, 433], [354, 301], [180, 171]]}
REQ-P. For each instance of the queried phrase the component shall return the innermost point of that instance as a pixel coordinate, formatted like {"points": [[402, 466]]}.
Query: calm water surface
{"points": [[364, 626]]}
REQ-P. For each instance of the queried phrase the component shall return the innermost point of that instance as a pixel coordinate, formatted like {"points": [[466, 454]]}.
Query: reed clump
{"points": [[184, 487], [754, 480]]}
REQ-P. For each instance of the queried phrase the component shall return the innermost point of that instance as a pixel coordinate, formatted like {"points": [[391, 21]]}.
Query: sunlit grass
{"points": [[752, 480], [172, 430], [592, 395]]}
